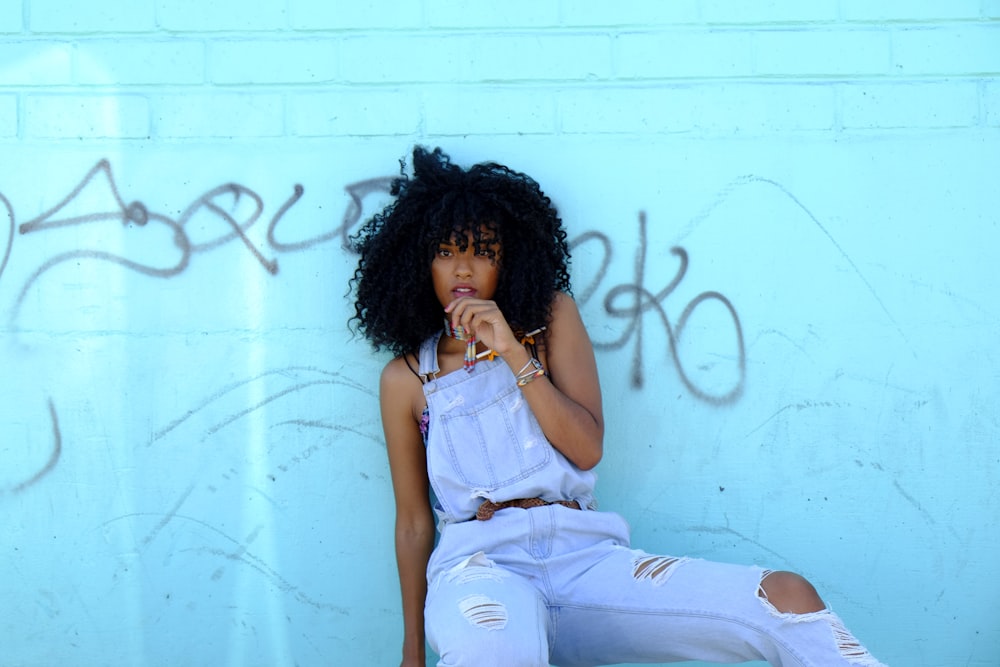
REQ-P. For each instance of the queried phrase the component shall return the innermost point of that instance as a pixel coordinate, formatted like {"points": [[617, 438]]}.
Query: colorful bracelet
{"points": [[531, 370]]}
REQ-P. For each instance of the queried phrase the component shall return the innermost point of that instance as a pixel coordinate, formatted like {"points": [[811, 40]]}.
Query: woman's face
{"points": [[468, 268]]}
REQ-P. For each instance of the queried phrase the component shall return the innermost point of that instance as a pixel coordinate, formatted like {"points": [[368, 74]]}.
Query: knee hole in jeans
{"points": [[483, 612], [789, 593], [791, 596]]}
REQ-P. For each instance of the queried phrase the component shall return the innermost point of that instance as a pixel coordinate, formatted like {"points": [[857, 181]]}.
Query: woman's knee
{"points": [[486, 616], [790, 593]]}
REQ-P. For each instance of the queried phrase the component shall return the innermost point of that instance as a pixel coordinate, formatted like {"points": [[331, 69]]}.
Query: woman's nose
{"points": [[463, 267]]}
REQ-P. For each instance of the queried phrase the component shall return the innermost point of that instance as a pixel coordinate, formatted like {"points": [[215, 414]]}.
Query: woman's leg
{"points": [[629, 606], [478, 614]]}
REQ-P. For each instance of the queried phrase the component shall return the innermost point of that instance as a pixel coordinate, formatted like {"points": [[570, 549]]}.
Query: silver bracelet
{"points": [[531, 370]]}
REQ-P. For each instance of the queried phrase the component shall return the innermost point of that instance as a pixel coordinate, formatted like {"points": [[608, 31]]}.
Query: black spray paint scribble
{"points": [[135, 215], [319, 377], [631, 301], [10, 233], [234, 552], [752, 179], [291, 451], [352, 216], [217, 203], [53, 459]]}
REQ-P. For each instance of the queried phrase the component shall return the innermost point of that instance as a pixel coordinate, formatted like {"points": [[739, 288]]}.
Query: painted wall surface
{"points": [[784, 222]]}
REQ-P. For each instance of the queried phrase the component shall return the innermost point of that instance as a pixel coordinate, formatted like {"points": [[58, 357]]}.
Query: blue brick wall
{"points": [[285, 52], [191, 463]]}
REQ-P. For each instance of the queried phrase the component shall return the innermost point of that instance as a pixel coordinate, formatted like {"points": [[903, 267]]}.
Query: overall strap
{"points": [[428, 358]]}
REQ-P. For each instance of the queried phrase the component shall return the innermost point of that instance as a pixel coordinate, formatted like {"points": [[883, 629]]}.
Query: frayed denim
{"points": [[563, 586]]}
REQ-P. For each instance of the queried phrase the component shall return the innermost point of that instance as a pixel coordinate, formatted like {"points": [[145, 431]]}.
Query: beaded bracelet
{"points": [[531, 370]]}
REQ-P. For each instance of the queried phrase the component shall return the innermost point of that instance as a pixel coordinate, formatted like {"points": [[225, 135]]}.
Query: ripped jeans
{"points": [[562, 586]]}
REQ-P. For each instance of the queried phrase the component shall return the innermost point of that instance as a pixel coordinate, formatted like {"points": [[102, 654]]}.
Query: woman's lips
{"points": [[463, 291]]}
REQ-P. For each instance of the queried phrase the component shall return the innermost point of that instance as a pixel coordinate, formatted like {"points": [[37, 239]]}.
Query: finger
{"points": [[455, 303], [479, 315], [471, 319], [455, 310], [460, 303], [464, 309]]}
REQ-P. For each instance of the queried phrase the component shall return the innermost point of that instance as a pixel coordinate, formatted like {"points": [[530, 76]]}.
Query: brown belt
{"points": [[488, 508]]}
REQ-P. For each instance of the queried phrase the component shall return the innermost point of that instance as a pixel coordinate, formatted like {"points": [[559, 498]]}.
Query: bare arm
{"points": [[399, 395], [567, 403]]}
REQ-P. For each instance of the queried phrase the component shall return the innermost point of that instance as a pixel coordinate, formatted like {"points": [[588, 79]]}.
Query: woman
{"points": [[492, 416]]}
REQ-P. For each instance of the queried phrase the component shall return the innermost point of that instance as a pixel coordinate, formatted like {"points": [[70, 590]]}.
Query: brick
{"points": [[688, 54], [991, 104], [764, 108], [35, 63], [744, 109], [472, 110], [11, 17], [136, 61], [406, 59], [356, 14], [821, 53], [194, 115], [909, 105], [86, 116], [640, 13], [354, 113], [491, 15], [90, 17], [8, 116], [286, 61], [652, 110], [535, 57], [960, 50], [768, 11], [909, 10], [219, 15]]}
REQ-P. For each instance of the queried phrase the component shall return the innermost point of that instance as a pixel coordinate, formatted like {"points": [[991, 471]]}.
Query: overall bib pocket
{"points": [[492, 445]]}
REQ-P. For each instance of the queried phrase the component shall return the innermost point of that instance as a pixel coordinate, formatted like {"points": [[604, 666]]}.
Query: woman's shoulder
{"points": [[401, 375], [566, 339], [562, 300], [402, 369], [564, 311]]}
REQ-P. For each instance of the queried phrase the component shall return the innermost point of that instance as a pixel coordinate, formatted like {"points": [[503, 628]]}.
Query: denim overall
{"points": [[555, 584]]}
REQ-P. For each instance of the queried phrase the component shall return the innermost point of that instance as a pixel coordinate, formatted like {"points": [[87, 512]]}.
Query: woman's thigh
{"points": [[480, 614]]}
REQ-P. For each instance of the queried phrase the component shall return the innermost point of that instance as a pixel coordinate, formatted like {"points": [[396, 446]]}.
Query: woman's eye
{"points": [[487, 252], [443, 252]]}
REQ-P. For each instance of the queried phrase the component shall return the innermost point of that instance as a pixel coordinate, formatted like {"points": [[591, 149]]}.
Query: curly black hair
{"points": [[395, 306]]}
